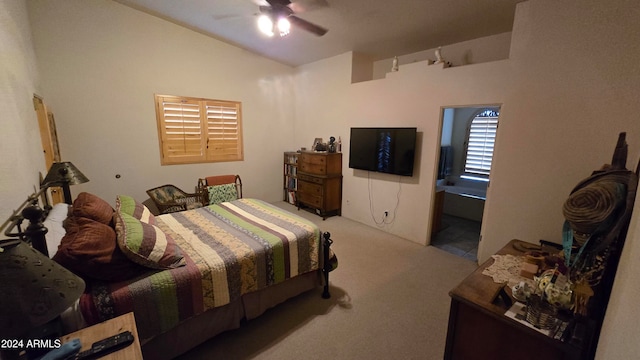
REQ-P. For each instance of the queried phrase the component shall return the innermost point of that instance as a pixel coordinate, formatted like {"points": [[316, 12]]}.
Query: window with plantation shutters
{"points": [[482, 136], [194, 130]]}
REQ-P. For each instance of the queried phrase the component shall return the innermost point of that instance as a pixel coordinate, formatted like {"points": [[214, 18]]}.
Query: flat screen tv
{"points": [[385, 150]]}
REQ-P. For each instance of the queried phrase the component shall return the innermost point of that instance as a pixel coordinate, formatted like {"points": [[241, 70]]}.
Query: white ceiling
{"points": [[379, 28]]}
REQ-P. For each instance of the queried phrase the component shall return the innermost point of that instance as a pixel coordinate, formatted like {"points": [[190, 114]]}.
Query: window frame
{"points": [[204, 130], [484, 138]]}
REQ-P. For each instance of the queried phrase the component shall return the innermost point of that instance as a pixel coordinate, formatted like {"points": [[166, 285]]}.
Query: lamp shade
{"points": [[62, 173], [33, 288]]}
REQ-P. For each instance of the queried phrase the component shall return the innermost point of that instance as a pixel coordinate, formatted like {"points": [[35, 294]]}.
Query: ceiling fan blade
{"points": [[279, 2], [300, 6], [276, 10], [305, 25]]}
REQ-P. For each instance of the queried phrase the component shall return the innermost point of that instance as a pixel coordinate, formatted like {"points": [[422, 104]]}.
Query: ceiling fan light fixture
{"points": [[279, 16], [284, 26], [265, 25]]}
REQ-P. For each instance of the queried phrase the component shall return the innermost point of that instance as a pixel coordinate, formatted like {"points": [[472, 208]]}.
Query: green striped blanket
{"points": [[231, 249]]}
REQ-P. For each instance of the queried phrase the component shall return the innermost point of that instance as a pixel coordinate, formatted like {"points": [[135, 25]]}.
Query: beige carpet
{"points": [[389, 301]]}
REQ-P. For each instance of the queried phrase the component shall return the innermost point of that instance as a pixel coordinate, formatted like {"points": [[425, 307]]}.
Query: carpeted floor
{"points": [[389, 301]]}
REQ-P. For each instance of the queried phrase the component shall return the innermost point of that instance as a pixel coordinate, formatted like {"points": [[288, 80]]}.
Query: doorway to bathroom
{"points": [[464, 164]]}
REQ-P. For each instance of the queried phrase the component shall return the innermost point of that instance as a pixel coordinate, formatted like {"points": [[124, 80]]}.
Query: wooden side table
{"points": [[89, 335]]}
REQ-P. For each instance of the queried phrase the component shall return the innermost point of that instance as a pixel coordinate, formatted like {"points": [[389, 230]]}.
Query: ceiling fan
{"points": [[280, 15]]}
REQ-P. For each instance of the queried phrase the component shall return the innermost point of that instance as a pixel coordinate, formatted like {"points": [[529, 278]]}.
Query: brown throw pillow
{"points": [[90, 206], [89, 249]]}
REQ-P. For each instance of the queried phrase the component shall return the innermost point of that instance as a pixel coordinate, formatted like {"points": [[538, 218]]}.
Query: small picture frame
{"points": [[315, 143]]}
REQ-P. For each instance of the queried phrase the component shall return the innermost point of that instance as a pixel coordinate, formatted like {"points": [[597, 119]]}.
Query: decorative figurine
{"points": [[394, 66], [332, 144], [439, 59]]}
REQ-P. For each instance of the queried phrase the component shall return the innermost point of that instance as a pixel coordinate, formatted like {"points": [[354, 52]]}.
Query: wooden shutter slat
{"points": [[198, 130]]}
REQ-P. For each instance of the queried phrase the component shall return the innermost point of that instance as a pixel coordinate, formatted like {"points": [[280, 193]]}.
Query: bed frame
{"points": [[197, 329], [30, 210]]}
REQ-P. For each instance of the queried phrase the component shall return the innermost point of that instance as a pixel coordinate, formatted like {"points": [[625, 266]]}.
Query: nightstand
{"points": [[108, 328]]}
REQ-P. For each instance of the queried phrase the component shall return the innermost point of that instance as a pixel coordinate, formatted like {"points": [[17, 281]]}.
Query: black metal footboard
{"points": [[326, 264]]}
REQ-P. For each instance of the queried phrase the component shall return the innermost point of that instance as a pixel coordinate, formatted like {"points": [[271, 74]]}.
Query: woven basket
{"points": [[540, 313]]}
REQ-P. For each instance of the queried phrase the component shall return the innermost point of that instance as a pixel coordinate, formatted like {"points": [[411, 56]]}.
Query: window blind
{"points": [[482, 136], [224, 141], [194, 130]]}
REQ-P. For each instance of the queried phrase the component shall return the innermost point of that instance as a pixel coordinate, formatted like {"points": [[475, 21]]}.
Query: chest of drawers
{"points": [[320, 182]]}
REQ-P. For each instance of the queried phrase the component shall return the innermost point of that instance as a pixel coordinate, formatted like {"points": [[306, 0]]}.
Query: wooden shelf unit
{"points": [[290, 171]]}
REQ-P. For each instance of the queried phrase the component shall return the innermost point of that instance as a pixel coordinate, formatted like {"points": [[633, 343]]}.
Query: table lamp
{"points": [[33, 289], [64, 174]]}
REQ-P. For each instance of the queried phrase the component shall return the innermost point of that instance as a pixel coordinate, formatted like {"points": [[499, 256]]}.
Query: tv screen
{"points": [[385, 150]]}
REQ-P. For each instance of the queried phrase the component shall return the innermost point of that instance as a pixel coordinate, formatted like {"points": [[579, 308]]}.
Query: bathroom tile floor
{"points": [[458, 236]]}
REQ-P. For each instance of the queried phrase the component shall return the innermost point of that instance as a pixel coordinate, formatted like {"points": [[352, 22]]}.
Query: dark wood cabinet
{"points": [[320, 182], [479, 328]]}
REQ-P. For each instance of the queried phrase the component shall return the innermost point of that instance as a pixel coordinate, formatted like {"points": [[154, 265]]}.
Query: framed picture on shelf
{"points": [[315, 144]]}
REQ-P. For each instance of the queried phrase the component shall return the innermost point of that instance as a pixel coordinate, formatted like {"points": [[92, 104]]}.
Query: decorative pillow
{"points": [[90, 206], [89, 250], [222, 193], [128, 205], [146, 244]]}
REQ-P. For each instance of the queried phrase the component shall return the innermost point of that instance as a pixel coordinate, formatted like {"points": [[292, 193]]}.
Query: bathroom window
{"points": [[481, 139]]}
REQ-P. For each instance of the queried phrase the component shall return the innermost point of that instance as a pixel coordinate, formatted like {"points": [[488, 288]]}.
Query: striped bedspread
{"points": [[231, 249]]}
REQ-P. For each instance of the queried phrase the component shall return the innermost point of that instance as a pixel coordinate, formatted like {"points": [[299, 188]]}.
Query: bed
{"points": [[187, 276]]}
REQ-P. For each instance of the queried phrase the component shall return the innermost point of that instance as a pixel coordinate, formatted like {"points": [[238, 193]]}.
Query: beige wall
{"points": [[20, 144], [103, 62], [561, 112], [476, 51], [411, 97]]}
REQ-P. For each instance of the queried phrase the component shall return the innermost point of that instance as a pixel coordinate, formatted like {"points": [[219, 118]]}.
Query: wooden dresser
{"points": [[479, 328], [320, 182]]}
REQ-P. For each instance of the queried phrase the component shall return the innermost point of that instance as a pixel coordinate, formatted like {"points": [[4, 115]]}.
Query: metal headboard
{"points": [[30, 210]]}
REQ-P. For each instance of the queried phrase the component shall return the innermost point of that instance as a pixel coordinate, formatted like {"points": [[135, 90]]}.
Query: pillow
{"points": [[128, 205], [222, 193], [146, 244], [90, 206], [54, 224], [89, 250]]}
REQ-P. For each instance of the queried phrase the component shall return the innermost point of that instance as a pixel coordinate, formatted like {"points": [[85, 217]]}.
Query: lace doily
{"points": [[505, 269]]}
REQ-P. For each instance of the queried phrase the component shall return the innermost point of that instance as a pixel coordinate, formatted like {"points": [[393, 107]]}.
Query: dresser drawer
{"points": [[309, 178], [317, 159], [311, 200], [318, 169], [309, 188]]}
